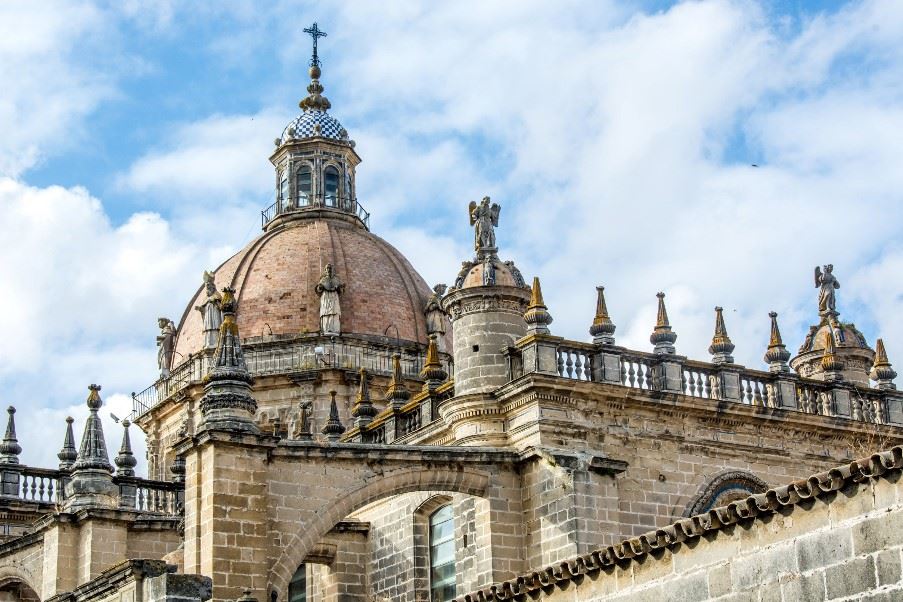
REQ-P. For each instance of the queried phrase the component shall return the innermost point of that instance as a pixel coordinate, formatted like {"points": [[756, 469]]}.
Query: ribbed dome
{"points": [[276, 274], [305, 126]]}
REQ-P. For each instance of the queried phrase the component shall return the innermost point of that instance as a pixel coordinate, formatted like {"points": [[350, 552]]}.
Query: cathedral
{"points": [[328, 426]]}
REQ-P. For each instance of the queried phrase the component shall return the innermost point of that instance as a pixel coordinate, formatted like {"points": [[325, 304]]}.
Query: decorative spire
{"points": [[433, 372], [315, 101], [67, 454], [125, 461], [721, 347], [10, 448], [662, 336], [603, 329], [363, 410], [537, 315], [333, 428], [227, 400], [882, 371], [93, 451], [777, 354], [397, 394], [831, 364]]}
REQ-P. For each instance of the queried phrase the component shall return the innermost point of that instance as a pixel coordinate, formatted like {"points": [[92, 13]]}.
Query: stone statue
{"points": [[488, 273], [485, 218], [826, 283], [466, 266], [211, 311], [329, 288], [435, 317], [810, 339], [165, 345]]}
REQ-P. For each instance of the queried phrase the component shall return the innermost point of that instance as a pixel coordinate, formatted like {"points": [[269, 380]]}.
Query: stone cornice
{"points": [[887, 465]]}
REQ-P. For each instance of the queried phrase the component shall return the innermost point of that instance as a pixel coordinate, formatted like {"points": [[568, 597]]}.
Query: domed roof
{"points": [[504, 273], [275, 277], [312, 124], [847, 336]]}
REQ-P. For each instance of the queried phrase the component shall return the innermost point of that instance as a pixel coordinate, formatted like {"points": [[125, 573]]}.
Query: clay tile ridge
{"points": [[882, 464]]}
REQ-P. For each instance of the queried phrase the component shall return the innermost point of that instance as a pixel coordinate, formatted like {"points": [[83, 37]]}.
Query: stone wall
{"points": [[841, 541]]}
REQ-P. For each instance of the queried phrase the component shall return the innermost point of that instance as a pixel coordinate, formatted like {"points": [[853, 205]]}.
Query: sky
{"points": [[713, 150]]}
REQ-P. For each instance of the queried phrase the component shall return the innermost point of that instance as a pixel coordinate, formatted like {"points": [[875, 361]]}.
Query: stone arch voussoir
{"points": [[466, 480], [720, 483]]}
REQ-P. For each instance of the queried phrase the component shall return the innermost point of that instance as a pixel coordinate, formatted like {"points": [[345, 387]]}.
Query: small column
{"points": [[10, 470], [125, 467], [333, 428], [666, 374], [776, 356], [363, 410], [91, 485]]}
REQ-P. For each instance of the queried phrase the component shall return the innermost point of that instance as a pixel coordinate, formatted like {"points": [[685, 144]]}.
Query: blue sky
{"points": [[618, 137]]}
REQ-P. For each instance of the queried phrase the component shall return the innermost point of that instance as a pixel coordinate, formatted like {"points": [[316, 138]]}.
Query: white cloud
{"points": [[51, 77]]}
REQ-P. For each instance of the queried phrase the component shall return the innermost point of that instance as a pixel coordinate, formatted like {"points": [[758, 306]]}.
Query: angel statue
{"points": [[165, 341], [485, 218], [826, 283], [435, 317], [329, 288], [210, 311]]}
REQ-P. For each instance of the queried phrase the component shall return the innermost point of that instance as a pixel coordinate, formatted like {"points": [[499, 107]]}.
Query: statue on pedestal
{"points": [[329, 288], [435, 318], [165, 345], [485, 218], [211, 311], [826, 283]]}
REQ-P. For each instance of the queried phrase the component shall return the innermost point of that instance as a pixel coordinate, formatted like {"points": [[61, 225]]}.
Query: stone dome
{"points": [[506, 274], [312, 124], [275, 277], [847, 336], [850, 347]]}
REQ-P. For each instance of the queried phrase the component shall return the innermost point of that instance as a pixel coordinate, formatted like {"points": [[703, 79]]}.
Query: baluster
{"points": [[705, 392], [41, 490], [50, 488], [623, 372], [139, 499], [569, 364], [34, 488], [745, 394], [581, 367], [757, 394], [645, 376], [560, 356], [697, 383], [631, 374]]}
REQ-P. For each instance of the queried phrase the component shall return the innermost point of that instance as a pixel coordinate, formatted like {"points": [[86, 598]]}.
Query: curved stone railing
{"points": [[280, 355], [307, 202], [726, 382]]}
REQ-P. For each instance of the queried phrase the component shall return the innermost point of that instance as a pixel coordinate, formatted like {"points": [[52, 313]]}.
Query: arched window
{"points": [[331, 186], [442, 554], [297, 587], [304, 186]]}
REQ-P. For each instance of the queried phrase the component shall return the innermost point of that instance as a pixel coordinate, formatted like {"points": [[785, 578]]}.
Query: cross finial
{"points": [[315, 33]]}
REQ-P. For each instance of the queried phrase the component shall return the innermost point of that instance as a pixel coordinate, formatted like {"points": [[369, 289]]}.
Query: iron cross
{"points": [[315, 33]]}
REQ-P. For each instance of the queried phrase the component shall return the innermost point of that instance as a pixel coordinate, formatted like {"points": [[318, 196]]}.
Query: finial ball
{"points": [[11, 410], [314, 72]]}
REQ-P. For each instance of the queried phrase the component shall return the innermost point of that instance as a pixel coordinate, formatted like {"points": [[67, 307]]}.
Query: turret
{"points": [[486, 306]]}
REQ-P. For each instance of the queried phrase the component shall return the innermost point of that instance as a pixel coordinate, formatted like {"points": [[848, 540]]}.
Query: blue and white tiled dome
{"points": [[306, 125]]}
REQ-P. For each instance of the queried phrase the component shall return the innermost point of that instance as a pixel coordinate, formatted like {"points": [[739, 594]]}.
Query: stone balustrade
{"points": [[46, 486], [272, 355], [675, 374]]}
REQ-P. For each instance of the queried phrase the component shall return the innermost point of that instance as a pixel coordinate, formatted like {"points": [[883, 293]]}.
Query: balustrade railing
{"points": [[285, 357], [648, 371], [42, 485], [314, 201], [151, 497]]}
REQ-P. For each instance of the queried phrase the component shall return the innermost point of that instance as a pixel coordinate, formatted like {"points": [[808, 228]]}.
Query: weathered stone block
{"points": [[888, 565], [849, 578], [767, 565], [824, 549], [878, 534]]}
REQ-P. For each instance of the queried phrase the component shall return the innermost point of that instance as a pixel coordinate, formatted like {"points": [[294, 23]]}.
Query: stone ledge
{"points": [[883, 464]]}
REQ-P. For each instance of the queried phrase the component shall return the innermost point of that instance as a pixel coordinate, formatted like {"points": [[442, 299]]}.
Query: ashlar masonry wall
{"points": [[845, 545]]}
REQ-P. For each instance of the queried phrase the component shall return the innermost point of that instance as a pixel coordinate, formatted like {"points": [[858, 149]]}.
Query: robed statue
{"points": [[826, 284], [211, 312], [485, 218], [165, 345], [435, 317], [329, 288]]}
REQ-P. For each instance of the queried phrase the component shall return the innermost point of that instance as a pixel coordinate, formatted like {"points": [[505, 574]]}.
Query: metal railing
{"points": [[314, 201], [285, 357]]}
